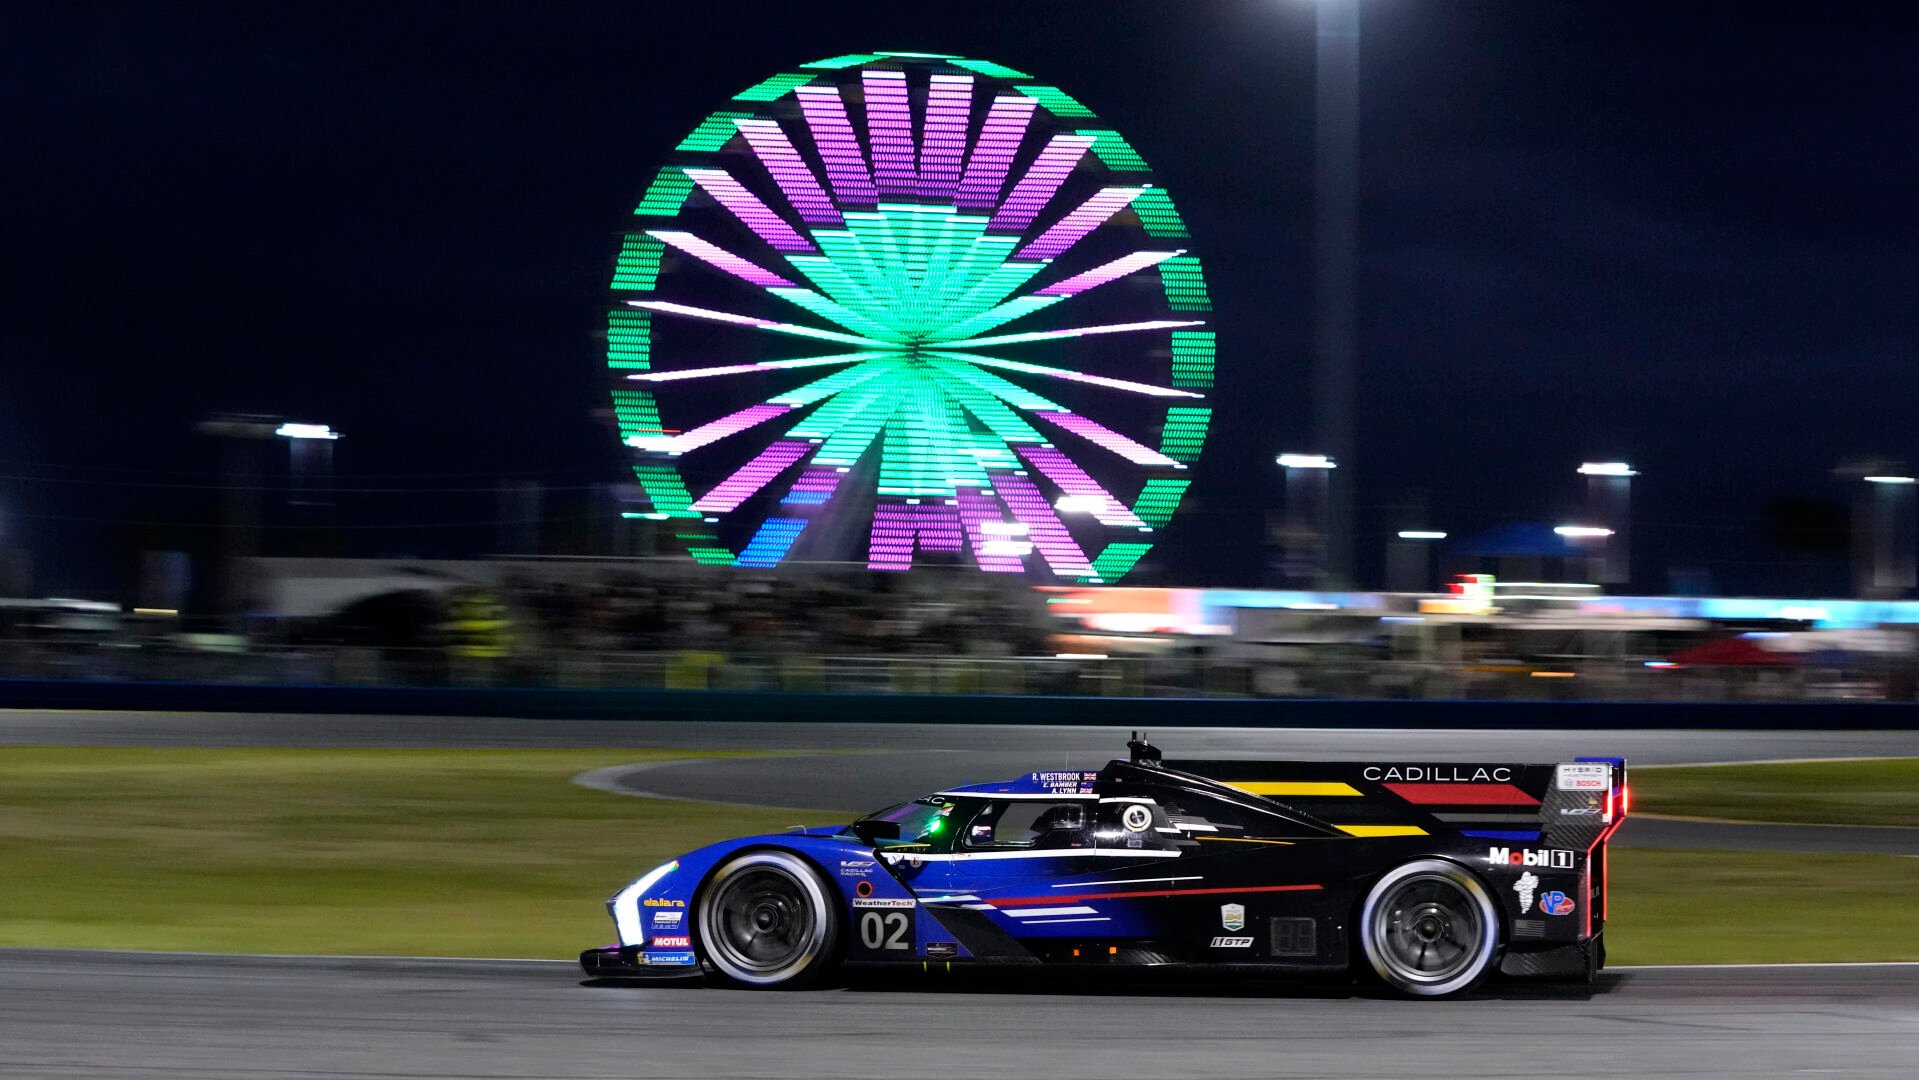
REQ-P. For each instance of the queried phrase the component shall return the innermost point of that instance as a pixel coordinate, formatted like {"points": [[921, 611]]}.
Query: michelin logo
{"points": [[1527, 882], [1551, 858]]}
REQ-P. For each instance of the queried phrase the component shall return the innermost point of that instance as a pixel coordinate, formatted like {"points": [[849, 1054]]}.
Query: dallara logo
{"points": [[1554, 858]]}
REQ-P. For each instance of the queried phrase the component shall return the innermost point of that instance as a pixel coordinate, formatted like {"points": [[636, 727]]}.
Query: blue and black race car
{"points": [[1429, 876]]}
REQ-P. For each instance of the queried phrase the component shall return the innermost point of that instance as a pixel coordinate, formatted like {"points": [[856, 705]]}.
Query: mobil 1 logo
{"points": [[1550, 858]]}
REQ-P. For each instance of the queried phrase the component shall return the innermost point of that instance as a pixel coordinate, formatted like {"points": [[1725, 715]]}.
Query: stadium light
{"points": [[1305, 461], [1890, 480], [1421, 534], [306, 431], [1607, 468], [1581, 530]]}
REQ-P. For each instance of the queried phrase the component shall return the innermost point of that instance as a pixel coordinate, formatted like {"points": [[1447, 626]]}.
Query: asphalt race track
{"points": [[82, 727], [178, 1016]]}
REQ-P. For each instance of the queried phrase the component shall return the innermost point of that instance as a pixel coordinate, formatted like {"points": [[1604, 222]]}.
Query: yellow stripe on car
{"points": [[1381, 830], [1299, 789]]}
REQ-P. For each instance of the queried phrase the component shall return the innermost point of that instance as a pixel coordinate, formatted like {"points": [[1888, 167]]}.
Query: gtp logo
{"points": [[1552, 858], [1556, 903]]}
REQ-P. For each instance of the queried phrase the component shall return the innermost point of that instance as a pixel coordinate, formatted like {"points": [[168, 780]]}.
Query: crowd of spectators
{"points": [[743, 613]]}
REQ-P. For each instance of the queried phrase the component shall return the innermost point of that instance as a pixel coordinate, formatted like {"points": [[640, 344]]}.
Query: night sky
{"points": [[1682, 235]]}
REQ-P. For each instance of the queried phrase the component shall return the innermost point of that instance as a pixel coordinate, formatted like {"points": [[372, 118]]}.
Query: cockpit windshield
{"points": [[918, 822]]}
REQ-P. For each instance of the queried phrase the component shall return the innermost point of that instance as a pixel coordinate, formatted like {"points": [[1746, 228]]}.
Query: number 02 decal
{"points": [[885, 929]]}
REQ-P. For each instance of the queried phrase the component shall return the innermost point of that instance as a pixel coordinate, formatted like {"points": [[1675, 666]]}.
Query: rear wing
{"points": [[1571, 804]]}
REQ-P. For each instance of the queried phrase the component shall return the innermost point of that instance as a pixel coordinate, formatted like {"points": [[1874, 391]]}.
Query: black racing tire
{"points": [[1429, 929], [767, 920]]}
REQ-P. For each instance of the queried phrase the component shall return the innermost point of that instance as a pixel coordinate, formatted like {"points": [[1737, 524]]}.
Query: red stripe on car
{"points": [[1462, 794], [1046, 901]]}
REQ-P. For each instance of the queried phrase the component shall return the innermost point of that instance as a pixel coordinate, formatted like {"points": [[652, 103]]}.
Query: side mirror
{"points": [[872, 833]]}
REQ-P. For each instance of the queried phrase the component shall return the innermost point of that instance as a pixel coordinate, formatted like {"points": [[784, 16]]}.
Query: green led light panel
{"points": [[774, 88], [838, 62], [665, 194], [628, 337], [1159, 498], [636, 412], [1193, 358], [1115, 151], [1185, 432], [1156, 214], [1118, 558], [714, 132], [664, 489], [1054, 100], [639, 263], [987, 67], [1185, 284]]}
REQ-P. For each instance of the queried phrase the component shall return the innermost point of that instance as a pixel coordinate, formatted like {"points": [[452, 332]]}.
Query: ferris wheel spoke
{"points": [[1112, 271], [766, 466], [1077, 331], [742, 369], [719, 258], [1083, 219], [730, 424], [666, 307], [1070, 375], [1107, 439]]}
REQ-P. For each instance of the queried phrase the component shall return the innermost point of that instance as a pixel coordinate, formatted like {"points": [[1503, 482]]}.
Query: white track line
{"points": [[163, 953]]}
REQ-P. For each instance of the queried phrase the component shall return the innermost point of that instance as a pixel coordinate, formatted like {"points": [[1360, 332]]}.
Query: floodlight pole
{"points": [[1335, 262]]}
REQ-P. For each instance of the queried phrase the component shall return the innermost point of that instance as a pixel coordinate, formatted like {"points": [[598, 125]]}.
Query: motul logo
{"points": [[1553, 858]]}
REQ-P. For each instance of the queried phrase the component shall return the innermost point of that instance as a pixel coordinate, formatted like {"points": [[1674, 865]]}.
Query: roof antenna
{"points": [[1144, 753]]}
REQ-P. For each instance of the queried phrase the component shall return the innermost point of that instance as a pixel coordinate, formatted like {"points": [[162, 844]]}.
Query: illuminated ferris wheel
{"points": [[898, 308]]}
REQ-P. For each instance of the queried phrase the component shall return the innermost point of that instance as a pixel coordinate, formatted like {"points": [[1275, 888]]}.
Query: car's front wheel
{"points": [[766, 919], [1429, 929]]}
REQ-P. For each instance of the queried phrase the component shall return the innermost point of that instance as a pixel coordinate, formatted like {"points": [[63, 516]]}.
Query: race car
{"points": [[1427, 876]]}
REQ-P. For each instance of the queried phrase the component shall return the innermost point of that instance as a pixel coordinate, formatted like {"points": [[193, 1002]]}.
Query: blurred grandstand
{"points": [[610, 624]]}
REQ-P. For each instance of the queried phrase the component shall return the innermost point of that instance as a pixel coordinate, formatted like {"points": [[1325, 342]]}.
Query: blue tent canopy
{"points": [[1517, 538]]}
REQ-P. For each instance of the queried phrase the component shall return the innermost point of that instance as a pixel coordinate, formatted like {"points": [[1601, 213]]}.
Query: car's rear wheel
{"points": [[1429, 929], [766, 919]]}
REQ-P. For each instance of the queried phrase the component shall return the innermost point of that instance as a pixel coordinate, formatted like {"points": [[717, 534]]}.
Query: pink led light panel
{"points": [[1100, 275], [1073, 481], [889, 127], [949, 103], [1109, 439], [814, 486], [747, 206], [795, 179], [729, 493], [898, 528], [731, 424], [1088, 216], [846, 169], [722, 258], [976, 508], [1043, 527], [1038, 186], [999, 140]]}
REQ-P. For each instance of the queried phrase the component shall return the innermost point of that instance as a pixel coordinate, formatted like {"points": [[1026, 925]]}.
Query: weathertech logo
{"points": [[1553, 858]]}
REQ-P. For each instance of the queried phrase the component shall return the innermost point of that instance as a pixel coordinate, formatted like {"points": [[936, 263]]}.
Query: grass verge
{"points": [[411, 852], [1883, 791], [495, 853], [1726, 907]]}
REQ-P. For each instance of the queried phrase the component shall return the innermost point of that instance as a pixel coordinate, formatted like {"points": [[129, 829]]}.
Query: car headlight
{"points": [[625, 904]]}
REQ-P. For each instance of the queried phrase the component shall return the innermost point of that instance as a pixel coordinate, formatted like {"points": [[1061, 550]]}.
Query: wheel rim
{"points": [[1427, 929], [761, 924]]}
